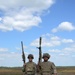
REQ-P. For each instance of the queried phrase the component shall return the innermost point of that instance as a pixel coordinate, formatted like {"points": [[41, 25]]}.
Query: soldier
{"points": [[30, 66], [46, 67]]}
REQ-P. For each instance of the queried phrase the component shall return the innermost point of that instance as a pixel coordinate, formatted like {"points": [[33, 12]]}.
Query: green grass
{"points": [[18, 70]]}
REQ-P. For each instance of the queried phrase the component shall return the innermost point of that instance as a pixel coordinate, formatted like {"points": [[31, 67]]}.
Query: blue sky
{"points": [[24, 20]]}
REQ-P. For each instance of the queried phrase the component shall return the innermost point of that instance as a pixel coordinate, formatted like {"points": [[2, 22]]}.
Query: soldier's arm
{"points": [[38, 68], [35, 67], [24, 66], [54, 69]]}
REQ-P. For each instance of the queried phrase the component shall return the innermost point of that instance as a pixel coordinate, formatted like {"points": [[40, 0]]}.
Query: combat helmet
{"points": [[46, 55], [30, 55]]}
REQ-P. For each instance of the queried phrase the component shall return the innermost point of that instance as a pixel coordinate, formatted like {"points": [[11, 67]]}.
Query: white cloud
{"points": [[73, 45], [19, 22], [66, 51], [64, 26], [55, 51], [67, 41], [1, 59], [20, 48], [3, 49], [22, 14], [43, 4], [55, 38], [35, 43], [47, 41], [11, 57], [69, 49], [0, 18]]}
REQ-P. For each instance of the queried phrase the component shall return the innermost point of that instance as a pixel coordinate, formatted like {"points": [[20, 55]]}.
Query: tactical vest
{"points": [[47, 67], [30, 68]]}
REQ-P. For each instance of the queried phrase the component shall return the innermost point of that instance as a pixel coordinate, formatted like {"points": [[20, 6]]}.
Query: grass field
{"points": [[66, 70], [18, 71], [10, 71]]}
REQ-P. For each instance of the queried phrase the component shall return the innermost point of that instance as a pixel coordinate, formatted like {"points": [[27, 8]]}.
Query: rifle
{"points": [[23, 55], [40, 52], [40, 57]]}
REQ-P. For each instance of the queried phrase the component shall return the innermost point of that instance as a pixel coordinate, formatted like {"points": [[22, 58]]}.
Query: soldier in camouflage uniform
{"points": [[30, 66], [46, 67]]}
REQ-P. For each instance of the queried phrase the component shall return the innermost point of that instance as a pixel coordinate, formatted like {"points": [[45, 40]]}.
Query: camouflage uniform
{"points": [[30, 67], [47, 68]]}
